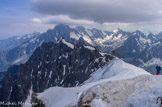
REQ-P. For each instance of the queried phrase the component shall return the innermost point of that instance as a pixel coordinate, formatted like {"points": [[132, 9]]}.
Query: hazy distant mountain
{"points": [[15, 41], [159, 35]]}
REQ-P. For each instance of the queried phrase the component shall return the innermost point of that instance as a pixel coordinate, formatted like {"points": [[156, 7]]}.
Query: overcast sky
{"points": [[18, 17]]}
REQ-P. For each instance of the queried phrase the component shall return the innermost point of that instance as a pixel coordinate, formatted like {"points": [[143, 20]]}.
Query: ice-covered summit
{"points": [[116, 70]]}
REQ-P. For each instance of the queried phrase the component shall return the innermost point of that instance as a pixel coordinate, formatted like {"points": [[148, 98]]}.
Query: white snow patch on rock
{"points": [[68, 44], [28, 102], [22, 59], [33, 40], [115, 31], [64, 67], [117, 37], [98, 103], [90, 48], [153, 61], [74, 36], [134, 51]]}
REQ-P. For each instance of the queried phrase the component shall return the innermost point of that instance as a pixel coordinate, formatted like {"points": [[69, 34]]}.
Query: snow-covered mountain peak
{"points": [[138, 32], [144, 38], [72, 46], [116, 30], [116, 69], [68, 44], [27, 36], [159, 35], [80, 28], [61, 27]]}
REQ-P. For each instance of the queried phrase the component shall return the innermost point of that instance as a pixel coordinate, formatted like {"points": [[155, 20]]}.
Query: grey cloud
{"points": [[124, 11]]}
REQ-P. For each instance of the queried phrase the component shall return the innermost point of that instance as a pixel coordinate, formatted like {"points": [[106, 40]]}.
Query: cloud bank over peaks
{"points": [[102, 11]]}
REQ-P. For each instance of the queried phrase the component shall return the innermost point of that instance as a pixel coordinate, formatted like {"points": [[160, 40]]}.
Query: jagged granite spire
{"points": [[61, 64]]}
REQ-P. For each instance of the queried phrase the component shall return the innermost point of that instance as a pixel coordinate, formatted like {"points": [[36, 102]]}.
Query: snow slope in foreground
{"points": [[117, 84], [116, 70]]}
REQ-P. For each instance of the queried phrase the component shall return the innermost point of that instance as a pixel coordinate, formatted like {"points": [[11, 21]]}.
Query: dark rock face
{"points": [[21, 53], [37, 102], [51, 65]]}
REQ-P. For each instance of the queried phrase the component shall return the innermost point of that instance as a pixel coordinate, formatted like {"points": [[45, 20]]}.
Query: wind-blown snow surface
{"points": [[116, 70], [117, 84]]}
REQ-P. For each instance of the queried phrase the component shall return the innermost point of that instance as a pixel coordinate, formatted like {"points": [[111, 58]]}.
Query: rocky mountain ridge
{"points": [[136, 47], [53, 64]]}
